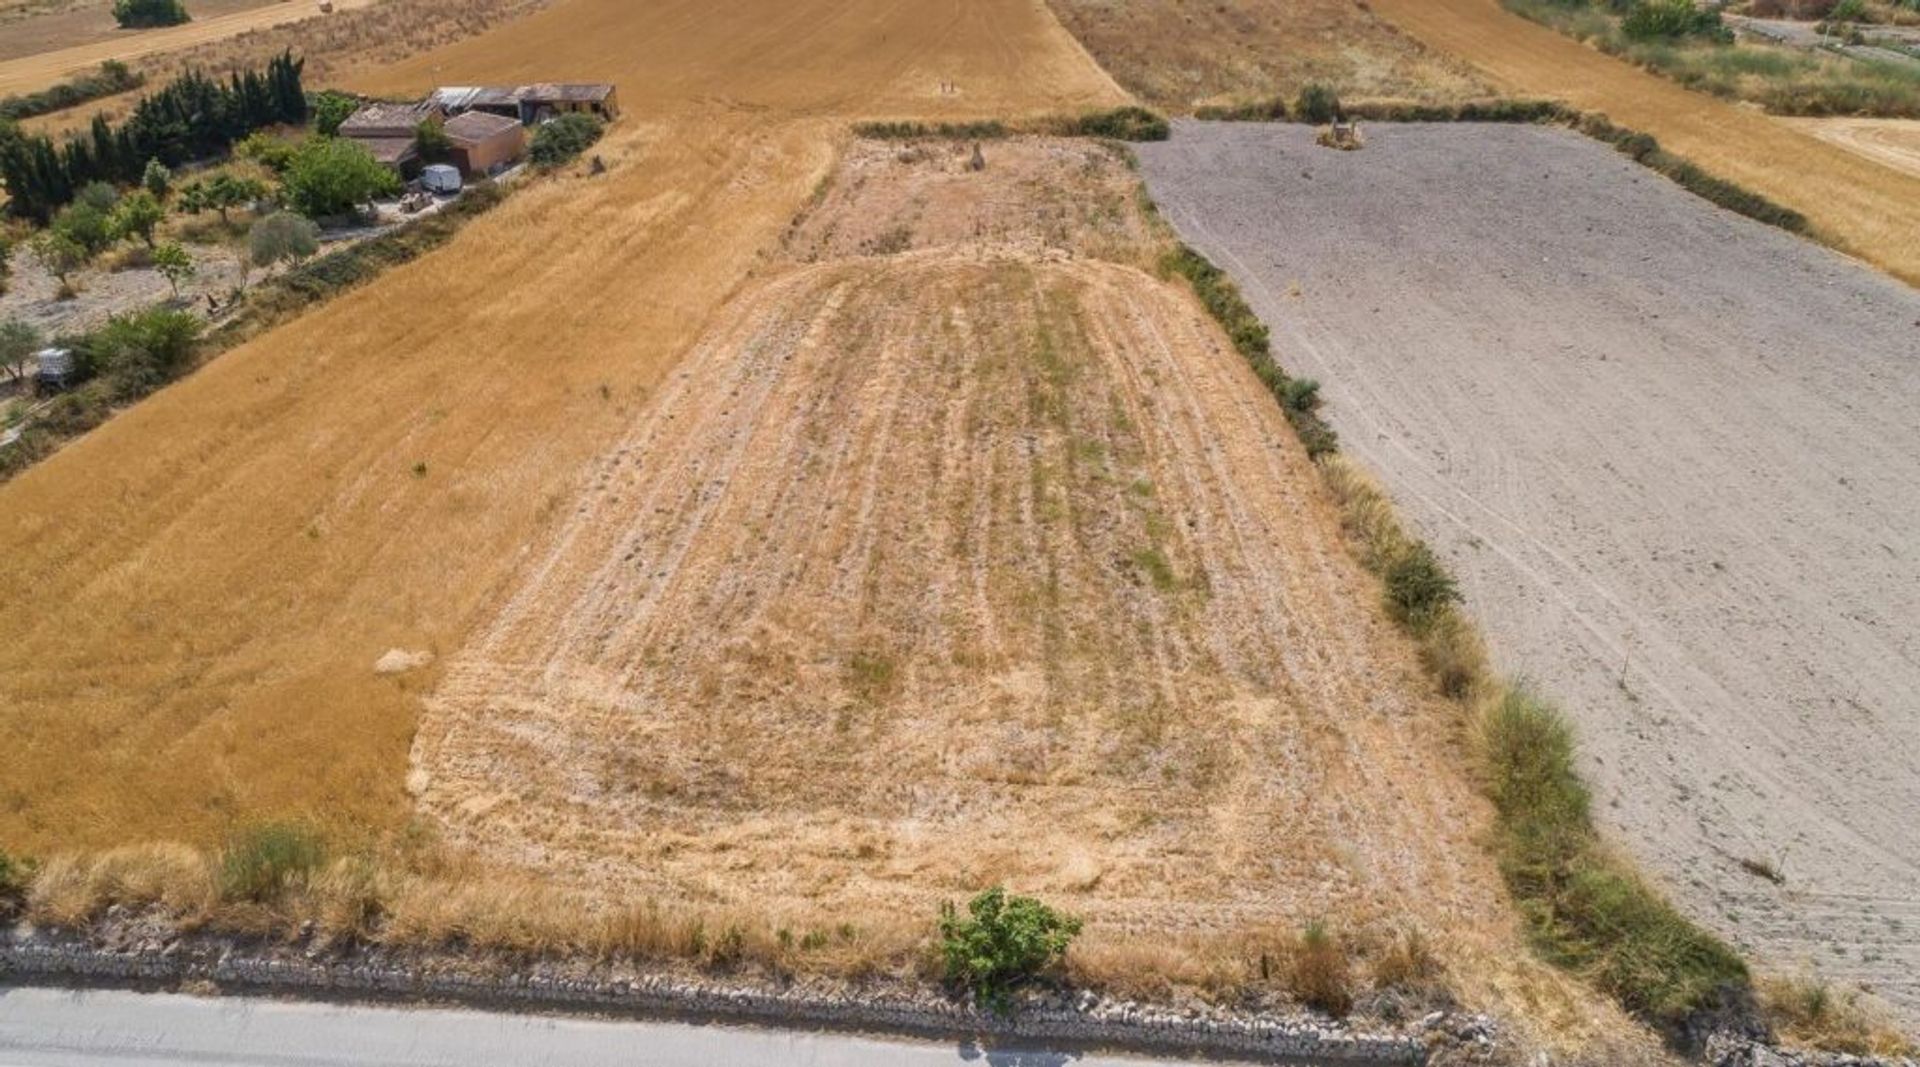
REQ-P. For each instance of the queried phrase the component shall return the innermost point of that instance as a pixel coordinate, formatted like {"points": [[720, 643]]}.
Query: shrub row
{"points": [[1120, 124], [1585, 908], [1644, 150], [1299, 397], [112, 77]]}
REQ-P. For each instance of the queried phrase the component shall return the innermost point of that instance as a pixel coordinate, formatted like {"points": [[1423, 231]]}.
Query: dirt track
{"points": [[197, 592], [1865, 207], [1672, 454]]}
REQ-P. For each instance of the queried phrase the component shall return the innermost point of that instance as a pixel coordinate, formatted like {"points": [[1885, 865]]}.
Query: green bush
{"points": [[140, 14], [556, 142], [112, 77], [144, 350], [260, 863], [1318, 104], [1122, 124], [14, 875], [330, 109], [331, 176], [945, 131], [1649, 20], [1418, 586], [1002, 942], [1585, 910]]}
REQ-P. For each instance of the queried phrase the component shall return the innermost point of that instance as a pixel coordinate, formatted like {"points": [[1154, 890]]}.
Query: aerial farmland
{"points": [[1255, 530]]}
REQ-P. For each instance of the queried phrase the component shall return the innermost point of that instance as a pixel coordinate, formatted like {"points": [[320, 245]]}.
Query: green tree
{"points": [[100, 196], [174, 265], [194, 198], [60, 254], [333, 176], [282, 235], [140, 14], [86, 226], [330, 109], [136, 216], [157, 179], [1002, 942], [431, 141], [18, 342], [564, 138], [145, 350], [228, 191], [273, 153]]}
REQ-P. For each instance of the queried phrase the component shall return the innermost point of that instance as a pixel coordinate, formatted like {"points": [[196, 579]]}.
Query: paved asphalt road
{"points": [[65, 1028]]}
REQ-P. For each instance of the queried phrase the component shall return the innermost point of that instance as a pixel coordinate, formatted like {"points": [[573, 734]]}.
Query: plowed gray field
{"points": [[1675, 458]]}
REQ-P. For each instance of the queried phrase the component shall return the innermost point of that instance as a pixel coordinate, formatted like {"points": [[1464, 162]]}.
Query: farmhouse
{"points": [[389, 131], [531, 104], [485, 143]]}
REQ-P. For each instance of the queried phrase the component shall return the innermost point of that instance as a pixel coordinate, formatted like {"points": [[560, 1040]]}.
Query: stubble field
{"points": [[1670, 452], [953, 557], [198, 591]]}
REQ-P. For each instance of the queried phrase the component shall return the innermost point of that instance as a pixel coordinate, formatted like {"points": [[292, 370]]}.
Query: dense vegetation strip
{"points": [[194, 118], [112, 77], [1127, 123], [1586, 909]]}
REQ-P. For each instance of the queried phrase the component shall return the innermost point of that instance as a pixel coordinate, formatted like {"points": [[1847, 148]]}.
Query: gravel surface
{"points": [[1673, 456]]}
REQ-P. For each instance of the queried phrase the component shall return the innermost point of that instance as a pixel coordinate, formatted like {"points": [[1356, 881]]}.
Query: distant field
{"points": [[1177, 54], [36, 63], [1893, 142], [1672, 455], [30, 28], [1866, 208]]}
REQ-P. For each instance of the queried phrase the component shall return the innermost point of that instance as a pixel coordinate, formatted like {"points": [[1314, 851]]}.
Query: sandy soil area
{"points": [[1868, 209], [967, 561], [40, 69], [1672, 455], [198, 591], [1894, 142]]}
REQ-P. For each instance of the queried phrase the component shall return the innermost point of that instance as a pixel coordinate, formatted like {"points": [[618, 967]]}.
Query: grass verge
{"points": [[1586, 909], [1119, 124]]}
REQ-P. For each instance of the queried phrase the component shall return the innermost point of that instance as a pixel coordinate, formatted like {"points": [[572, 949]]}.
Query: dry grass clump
{"points": [[71, 889], [1810, 1013]]}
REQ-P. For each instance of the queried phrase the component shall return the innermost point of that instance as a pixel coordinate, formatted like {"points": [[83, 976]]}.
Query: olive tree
{"points": [[280, 236]]}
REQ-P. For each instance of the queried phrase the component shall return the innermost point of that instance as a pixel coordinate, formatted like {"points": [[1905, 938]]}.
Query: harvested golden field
{"points": [[27, 71], [1177, 54], [971, 560], [1893, 142], [1855, 203], [198, 591], [31, 27]]}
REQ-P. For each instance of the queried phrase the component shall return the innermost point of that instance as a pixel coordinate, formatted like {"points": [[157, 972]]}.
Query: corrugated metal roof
{"points": [[569, 92]]}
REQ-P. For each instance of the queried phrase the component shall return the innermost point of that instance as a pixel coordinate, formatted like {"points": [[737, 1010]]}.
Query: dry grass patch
{"points": [[1181, 54], [1813, 1014]]}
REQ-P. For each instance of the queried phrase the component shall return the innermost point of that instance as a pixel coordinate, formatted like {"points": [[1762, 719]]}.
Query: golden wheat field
{"points": [[1855, 202], [197, 592]]}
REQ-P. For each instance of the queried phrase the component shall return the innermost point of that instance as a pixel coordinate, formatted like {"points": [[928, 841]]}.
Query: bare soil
{"points": [[1855, 203], [1671, 454]]}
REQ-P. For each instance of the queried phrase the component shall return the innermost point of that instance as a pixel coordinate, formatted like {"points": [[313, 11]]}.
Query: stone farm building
{"points": [[485, 143], [532, 104], [389, 131]]}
